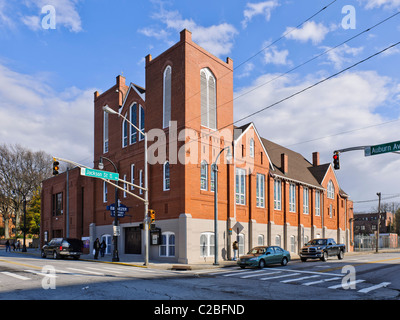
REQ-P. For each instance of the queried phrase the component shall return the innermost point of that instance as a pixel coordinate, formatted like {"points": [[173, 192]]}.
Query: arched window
{"points": [[204, 175], [167, 97], [167, 248], [124, 132], [105, 132], [166, 176], [141, 120], [331, 190], [208, 89], [133, 116]]}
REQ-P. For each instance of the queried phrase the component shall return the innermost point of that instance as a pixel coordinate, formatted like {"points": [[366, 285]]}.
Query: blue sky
{"points": [[48, 76]]}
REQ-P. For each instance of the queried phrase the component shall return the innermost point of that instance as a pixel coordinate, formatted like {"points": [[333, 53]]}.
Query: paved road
{"points": [[360, 277]]}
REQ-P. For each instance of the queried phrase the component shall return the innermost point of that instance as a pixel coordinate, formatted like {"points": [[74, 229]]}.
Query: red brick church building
{"points": [[267, 194]]}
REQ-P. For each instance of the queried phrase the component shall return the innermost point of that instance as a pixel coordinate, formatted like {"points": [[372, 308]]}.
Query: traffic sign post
{"points": [[382, 148], [99, 174]]}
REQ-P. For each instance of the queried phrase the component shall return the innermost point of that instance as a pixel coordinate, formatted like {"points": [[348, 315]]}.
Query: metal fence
{"points": [[368, 243]]}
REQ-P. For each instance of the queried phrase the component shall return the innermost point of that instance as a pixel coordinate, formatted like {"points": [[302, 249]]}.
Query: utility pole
{"points": [[379, 221]]}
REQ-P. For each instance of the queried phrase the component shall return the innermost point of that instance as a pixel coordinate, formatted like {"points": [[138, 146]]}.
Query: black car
{"points": [[63, 247]]}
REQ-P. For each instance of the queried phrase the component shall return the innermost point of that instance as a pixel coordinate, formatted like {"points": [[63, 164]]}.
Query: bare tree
{"points": [[21, 173]]}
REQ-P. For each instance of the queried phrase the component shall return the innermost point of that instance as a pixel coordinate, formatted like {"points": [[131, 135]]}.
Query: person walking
{"points": [[8, 247], [96, 247], [235, 247], [103, 248]]}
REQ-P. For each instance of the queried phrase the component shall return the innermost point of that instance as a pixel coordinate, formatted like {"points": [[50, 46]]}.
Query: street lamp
{"points": [[214, 168], [146, 189], [115, 251]]}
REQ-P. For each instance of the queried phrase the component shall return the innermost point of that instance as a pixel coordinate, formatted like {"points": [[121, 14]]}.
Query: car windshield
{"points": [[257, 250], [316, 242]]}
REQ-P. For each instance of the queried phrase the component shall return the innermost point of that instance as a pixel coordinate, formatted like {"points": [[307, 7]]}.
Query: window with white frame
{"points": [[207, 244], [141, 121], [306, 201], [277, 194], [241, 244], [260, 191], [251, 145], [133, 116], [105, 132], [278, 240], [317, 203], [330, 211], [166, 178], [212, 180], [141, 181], [107, 239], [292, 244], [132, 175], [167, 97], [204, 175], [331, 190], [167, 247], [124, 132], [104, 191], [260, 240], [292, 197], [240, 186], [208, 94]]}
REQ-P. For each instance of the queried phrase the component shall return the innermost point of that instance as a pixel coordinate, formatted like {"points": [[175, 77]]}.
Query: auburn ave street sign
{"points": [[382, 148], [99, 174]]}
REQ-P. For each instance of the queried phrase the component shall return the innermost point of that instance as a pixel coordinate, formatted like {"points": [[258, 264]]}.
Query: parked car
{"points": [[262, 255], [63, 247], [322, 249]]}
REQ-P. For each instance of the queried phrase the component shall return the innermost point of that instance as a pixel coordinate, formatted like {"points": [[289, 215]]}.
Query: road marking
{"points": [[381, 285], [321, 281], [256, 275], [86, 271], [299, 279], [49, 275], [235, 273], [104, 269], [362, 262], [283, 276], [21, 264], [15, 275], [347, 284]]}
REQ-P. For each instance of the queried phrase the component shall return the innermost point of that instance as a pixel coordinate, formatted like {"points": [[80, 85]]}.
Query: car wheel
{"points": [[324, 256], [340, 255], [303, 259], [261, 264], [43, 254], [55, 255], [284, 261]]}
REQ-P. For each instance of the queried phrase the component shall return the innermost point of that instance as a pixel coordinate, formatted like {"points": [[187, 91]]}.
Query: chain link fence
{"points": [[368, 243]]}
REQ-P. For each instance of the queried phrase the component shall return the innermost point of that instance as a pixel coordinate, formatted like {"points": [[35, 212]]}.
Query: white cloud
{"points": [[339, 56], [34, 115], [323, 114], [387, 4], [217, 39], [261, 8], [310, 31], [274, 56]]}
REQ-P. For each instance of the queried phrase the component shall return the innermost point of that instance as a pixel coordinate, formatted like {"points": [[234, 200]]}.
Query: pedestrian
{"points": [[96, 247], [235, 247], [18, 245], [103, 248], [8, 247], [13, 245]]}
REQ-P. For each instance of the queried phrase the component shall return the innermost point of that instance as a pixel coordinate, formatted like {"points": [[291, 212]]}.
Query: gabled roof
{"points": [[141, 92]]}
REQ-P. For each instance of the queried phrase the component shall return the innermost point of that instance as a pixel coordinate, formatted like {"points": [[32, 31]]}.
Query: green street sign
{"points": [[382, 148], [99, 174]]}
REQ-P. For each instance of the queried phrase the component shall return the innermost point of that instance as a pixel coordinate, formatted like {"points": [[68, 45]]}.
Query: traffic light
{"points": [[336, 163], [56, 167], [152, 214]]}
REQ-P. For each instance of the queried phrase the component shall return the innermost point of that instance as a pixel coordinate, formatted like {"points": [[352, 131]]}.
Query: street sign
{"points": [[99, 174], [382, 148], [122, 209]]}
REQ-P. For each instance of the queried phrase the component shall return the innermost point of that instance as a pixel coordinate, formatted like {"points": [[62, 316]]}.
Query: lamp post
{"points": [[214, 168], [146, 190], [115, 251]]}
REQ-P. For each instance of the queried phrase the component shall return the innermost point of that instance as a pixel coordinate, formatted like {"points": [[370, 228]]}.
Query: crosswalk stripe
{"points": [[299, 279], [104, 269], [347, 284], [86, 271], [283, 276], [15, 275], [321, 281], [381, 285], [49, 275], [256, 275]]}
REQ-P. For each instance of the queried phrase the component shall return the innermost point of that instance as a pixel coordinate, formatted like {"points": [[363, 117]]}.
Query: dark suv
{"points": [[63, 247]]}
